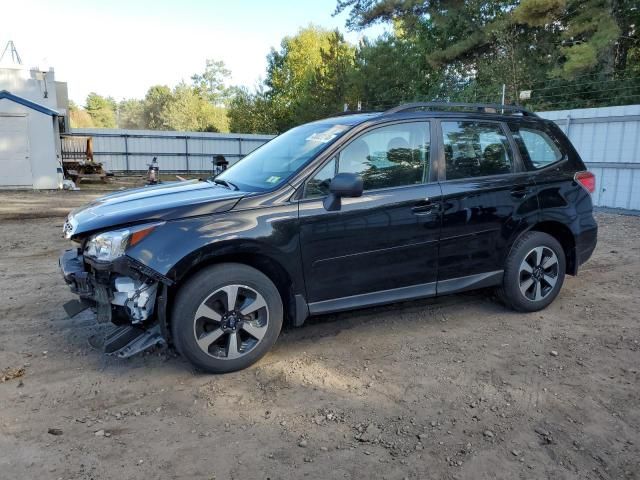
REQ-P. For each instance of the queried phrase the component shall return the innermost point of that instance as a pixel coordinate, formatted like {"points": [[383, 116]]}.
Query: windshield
{"points": [[272, 164]]}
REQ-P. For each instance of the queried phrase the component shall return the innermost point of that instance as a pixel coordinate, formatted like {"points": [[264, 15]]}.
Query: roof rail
{"points": [[475, 107], [352, 112]]}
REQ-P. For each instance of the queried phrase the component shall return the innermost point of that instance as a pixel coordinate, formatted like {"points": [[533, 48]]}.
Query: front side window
{"points": [[537, 148], [475, 149], [391, 156]]}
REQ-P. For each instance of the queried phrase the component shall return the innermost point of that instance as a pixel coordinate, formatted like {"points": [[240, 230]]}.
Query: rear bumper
{"points": [[586, 243]]}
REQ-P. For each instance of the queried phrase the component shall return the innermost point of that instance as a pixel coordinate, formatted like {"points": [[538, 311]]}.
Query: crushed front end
{"points": [[118, 288]]}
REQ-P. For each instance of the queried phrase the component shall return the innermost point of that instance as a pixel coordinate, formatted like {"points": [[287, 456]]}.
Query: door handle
{"points": [[424, 207], [519, 192]]}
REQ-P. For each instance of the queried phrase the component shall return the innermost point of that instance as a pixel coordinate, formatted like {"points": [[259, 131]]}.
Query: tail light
{"points": [[587, 180]]}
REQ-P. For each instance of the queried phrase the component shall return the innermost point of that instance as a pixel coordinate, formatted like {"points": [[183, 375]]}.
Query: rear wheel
{"points": [[534, 272], [226, 317]]}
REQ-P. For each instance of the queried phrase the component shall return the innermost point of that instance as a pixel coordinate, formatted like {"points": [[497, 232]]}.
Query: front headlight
{"points": [[108, 246]]}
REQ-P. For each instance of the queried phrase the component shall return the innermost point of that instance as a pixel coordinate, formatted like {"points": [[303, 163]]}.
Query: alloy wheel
{"points": [[231, 322], [538, 273]]}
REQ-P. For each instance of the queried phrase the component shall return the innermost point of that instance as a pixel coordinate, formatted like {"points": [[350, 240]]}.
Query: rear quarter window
{"points": [[536, 146]]}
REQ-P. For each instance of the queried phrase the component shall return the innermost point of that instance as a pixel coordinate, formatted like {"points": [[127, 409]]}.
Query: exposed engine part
{"points": [[136, 296], [126, 341]]}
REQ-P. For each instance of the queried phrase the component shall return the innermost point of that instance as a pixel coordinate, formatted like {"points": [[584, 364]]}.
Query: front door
{"points": [[486, 198], [382, 246], [14, 151]]}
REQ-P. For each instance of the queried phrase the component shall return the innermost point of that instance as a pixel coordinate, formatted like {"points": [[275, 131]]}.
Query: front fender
{"points": [[178, 246]]}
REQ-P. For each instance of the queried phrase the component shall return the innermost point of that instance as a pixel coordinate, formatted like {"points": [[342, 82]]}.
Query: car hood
{"points": [[166, 201]]}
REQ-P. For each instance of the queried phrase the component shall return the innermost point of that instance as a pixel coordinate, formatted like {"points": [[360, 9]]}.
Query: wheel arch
{"points": [[247, 255], [562, 233]]}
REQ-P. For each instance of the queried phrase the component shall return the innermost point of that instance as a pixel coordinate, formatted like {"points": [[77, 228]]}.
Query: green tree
{"points": [[469, 48], [79, 117], [211, 82], [155, 102], [552, 47], [131, 114], [394, 68], [188, 110], [329, 88], [102, 110], [250, 112], [306, 78], [596, 34]]}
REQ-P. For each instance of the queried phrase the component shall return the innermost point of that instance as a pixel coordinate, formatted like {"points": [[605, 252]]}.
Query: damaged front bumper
{"points": [[123, 292]]}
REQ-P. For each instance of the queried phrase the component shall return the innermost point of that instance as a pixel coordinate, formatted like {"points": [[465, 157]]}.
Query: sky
{"points": [[120, 48]]}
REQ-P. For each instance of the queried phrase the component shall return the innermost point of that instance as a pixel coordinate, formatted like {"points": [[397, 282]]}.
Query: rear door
{"points": [[14, 151], [487, 197], [552, 164], [384, 242]]}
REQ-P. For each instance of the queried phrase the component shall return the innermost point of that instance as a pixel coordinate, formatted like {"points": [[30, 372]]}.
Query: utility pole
{"points": [[11, 48]]}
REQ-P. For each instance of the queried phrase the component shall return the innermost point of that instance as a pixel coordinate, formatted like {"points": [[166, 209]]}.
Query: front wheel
{"points": [[534, 272], [226, 317]]}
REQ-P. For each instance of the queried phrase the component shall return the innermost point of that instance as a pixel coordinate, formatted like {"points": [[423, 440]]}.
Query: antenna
{"points": [[11, 48]]}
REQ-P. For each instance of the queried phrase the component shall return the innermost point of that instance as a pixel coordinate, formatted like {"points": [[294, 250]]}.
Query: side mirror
{"points": [[343, 185]]}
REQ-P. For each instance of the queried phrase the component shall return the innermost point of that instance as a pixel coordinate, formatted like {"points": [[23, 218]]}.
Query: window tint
{"points": [[538, 149], [475, 149], [389, 156]]}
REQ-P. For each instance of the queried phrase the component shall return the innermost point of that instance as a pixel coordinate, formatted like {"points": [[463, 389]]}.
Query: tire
{"points": [[530, 291], [203, 326]]}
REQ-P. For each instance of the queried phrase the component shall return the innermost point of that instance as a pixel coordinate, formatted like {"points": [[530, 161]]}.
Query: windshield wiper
{"points": [[226, 183]]}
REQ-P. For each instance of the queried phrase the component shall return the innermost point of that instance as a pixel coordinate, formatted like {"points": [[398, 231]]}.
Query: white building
{"points": [[32, 105]]}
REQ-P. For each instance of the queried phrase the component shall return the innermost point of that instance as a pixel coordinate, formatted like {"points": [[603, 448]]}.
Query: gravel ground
{"points": [[457, 387]]}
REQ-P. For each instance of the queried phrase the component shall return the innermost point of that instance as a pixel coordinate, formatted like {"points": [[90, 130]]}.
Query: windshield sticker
{"points": [[321, 137], [273, 179], [327, 135]]}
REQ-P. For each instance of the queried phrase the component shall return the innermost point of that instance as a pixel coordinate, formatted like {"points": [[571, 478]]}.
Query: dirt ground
{"points": [[457, 387]]}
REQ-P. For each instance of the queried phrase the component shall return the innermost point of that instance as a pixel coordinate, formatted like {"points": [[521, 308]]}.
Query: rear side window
{"points": [[536, 146], [475, 149]]}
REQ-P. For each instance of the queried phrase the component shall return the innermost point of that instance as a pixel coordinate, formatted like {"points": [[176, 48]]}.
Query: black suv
{"points": [[356, 210]]}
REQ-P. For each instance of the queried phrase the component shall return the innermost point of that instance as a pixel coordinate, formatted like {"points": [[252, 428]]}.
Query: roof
{"points": [[27, 103]]}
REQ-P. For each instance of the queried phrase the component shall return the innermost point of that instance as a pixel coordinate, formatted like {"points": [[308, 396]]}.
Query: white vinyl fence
{"points": [[608, 139]]}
